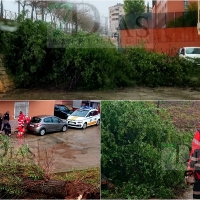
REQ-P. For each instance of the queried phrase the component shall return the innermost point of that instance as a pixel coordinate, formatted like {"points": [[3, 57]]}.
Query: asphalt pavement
{"points": [[73, 149]]}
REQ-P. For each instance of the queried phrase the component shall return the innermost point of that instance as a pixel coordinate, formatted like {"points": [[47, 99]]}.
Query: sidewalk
{"points": [[13, 124]]}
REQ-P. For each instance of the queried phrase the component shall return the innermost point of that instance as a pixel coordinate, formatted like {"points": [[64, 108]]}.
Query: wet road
{"points": [[134, 93], [73, 149]]}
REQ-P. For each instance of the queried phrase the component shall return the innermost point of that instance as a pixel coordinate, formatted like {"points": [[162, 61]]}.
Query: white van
{"points": [[189, 53]]}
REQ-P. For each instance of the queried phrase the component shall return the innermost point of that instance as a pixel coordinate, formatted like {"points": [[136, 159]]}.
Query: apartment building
{"points": [[115, 13], [167, 10]]}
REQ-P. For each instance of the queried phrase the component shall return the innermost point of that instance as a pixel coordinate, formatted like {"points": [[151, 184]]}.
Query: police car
{"points": [[84, 117]]}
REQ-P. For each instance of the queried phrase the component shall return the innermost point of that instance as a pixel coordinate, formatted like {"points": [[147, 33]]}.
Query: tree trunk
{"points": [[55, 188], [62, 189], [32, 10]]}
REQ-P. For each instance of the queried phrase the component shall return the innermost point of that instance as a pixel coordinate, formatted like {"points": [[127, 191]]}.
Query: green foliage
{"points": [[4, 146], [81, 60], [17, 168], [134, 6], [155, 69], [139, 150], [25, 52], [50, 57]]}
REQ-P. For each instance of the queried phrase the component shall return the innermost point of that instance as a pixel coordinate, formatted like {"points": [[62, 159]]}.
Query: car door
{"points": [[91, 118], [57, 125], [56, 111], [47, 123], [95, 116]]}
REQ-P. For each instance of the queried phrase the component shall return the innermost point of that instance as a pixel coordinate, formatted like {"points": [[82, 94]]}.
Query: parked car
{"points": [[62, 111], [190, 53], [42, 124], [82, 118]]}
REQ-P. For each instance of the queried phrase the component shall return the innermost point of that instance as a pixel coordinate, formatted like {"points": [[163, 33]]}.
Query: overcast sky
{"points": [[101, 5]]}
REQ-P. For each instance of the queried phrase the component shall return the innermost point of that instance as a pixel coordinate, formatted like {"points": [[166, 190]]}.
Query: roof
{"points": [[60, 105], [41, 116], [87, 109], [190, 47], [118, 4]]}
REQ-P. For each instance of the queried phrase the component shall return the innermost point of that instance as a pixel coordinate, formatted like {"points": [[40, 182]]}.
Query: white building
{"points": [[115, 12]]}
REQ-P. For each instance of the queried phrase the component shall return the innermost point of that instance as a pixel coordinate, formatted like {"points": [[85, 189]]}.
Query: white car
{"points": [[189, 53], [84, 117]]}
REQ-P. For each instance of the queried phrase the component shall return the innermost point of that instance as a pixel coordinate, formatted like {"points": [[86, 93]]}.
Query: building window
{"points": [[21, 106]]}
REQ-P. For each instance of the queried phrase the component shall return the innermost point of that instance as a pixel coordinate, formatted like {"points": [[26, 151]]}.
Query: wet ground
{"points": [[73, 149], [188, 194], [136, 93]]}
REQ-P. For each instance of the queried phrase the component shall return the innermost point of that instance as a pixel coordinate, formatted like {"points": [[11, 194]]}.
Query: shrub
{"points": [[133, 155], [86, 61], [155, 69], [17, 168]]}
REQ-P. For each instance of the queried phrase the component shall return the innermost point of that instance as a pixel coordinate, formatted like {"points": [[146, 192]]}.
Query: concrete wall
{"points": [[6, 82]]}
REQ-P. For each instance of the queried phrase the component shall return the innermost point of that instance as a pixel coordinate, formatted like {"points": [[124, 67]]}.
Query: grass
{"points": [[90, 175]]}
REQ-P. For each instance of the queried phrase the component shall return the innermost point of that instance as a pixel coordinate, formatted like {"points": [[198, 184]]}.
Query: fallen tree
{"points": [[21, 177]]}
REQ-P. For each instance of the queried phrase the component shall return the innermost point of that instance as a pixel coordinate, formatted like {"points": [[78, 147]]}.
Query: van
{"points": [[190, 53]]}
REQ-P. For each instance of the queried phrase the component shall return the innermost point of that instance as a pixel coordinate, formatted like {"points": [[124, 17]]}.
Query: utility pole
{"points": [[1, 9], [106, 25], [18, 7], [119, 32]]}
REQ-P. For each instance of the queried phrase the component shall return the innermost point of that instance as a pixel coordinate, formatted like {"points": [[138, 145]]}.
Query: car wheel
{"points": [[84, 126], [98, 122], [64, 128], [42, 132]]}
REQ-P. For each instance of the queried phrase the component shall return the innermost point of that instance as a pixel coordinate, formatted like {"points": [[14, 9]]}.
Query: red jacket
{"points": [[194, 160], [21, 119], [28, 119]]}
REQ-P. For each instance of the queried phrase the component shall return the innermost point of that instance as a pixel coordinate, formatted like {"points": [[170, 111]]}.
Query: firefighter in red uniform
{"points": [[21, 120], [194, 163], [98, 108]]}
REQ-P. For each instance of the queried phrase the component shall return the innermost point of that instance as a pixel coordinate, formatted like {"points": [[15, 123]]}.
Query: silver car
{"points": [[42, 124]]}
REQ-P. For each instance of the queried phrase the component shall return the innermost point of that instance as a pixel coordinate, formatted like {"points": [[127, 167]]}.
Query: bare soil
{"points": [[184, 114], [134, 93]]}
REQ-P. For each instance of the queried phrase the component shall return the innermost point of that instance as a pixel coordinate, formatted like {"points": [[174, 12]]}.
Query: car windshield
{"points": [[192, 50], [80, 113], [35, 120], [63, 108]]}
